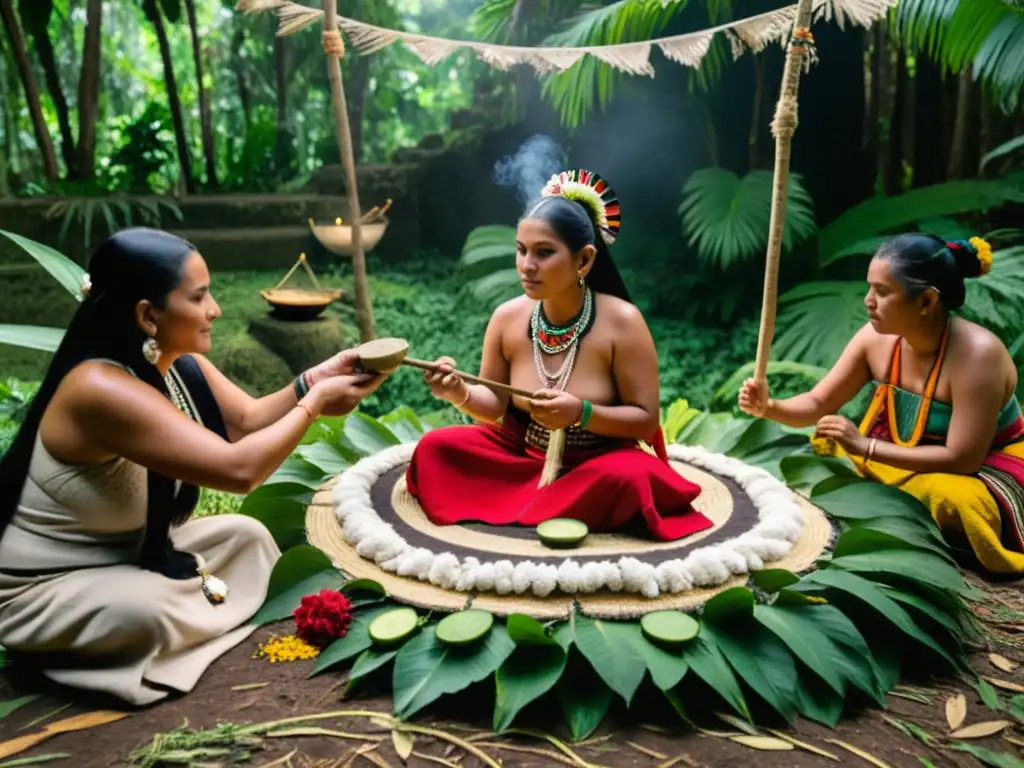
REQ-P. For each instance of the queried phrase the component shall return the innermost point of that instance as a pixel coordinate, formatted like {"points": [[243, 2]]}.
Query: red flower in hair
{"points": [[323, 618]]}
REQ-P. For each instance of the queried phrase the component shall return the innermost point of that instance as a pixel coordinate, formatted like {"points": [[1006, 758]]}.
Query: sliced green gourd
{"points": [[464, 627], [669, 627], [393, 626], [562, 532]]}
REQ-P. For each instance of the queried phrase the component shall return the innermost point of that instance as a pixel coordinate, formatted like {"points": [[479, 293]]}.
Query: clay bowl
{"points": [[337, 238], [382, 355], [298, 304]]}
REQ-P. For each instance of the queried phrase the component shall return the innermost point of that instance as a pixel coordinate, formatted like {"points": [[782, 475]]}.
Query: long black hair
{"points": [[131, 265], [575, 226], [921, 261]]}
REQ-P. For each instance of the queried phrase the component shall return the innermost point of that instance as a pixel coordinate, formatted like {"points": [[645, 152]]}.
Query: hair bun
{"points": [[973, 257]]}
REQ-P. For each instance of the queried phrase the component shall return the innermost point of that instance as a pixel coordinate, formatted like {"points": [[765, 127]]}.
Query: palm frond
{"points": [[488, 257], [983, 36], [816, 320], [1007, 148], [573, 92], [728, 218], [884, 214]]}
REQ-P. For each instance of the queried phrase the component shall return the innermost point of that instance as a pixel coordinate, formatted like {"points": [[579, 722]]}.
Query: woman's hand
{"points": [[341, 364], [753, 398], [340, 394], [844, 432], [555, 410], [445, 384]]}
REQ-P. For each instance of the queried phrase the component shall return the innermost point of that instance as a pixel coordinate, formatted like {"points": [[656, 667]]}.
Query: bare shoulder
{"points": [[619, 310], [979, 346], [511, 310], [95, 383]]}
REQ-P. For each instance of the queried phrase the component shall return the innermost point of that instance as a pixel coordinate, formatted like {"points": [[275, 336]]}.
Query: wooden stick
{"points": [[364, 310], [423, 365], [783, 126]]}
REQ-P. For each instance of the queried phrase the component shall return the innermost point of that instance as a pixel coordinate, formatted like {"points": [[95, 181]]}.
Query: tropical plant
{"points": [[857, 230], [728, 218], [887, 599], [995, 300], [145, 210], [984, 37], [489, 259]]}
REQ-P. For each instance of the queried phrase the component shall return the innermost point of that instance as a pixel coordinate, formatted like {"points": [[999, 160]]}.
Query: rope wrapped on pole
{"points": [[800, 56]]}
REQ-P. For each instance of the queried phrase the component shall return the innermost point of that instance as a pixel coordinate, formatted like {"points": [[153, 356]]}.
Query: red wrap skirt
{"points": [[489, 474]]}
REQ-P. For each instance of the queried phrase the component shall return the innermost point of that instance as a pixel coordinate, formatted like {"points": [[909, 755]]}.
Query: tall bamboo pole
{"points": [[364, 309], [783, 127]]}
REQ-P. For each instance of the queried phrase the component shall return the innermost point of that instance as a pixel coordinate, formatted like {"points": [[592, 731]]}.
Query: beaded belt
{"points": [[575, 438]]}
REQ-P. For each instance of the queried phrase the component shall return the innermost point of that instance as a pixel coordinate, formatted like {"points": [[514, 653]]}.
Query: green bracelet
{"points": [[587, 412], [301, 388]]}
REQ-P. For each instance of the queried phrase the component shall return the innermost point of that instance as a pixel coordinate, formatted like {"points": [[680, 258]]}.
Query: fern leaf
{"points": [[816, 321], [728, 218]]}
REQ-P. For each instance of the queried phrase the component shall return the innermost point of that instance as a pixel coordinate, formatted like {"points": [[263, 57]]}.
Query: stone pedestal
{"points": [[302, 344], [251, 365]]}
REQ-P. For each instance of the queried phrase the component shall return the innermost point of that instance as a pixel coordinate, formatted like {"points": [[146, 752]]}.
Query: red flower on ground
{"points": [[323, 618]]}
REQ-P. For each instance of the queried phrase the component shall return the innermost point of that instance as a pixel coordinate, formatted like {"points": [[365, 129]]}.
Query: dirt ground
{"points": [[240, 690]]}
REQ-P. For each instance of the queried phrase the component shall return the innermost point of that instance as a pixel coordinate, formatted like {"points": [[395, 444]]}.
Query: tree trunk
{"points": [[173, 99], [89, 89], [281, 81], [358, 79], [872, 113], [31, 88], [754, 137], [892, 173], [35, 22], [961, 125], [205, 118], [929, 150], [244, 96], [364, 306]]}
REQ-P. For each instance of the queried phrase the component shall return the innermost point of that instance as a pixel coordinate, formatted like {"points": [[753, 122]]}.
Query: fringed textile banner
{"points": [[754, 33]]}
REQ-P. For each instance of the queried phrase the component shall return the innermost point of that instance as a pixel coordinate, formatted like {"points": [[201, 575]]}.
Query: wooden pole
{"points": [[783, 127], [364, 308]]}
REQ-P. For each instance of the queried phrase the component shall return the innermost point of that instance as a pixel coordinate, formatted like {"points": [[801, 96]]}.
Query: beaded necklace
{"points": [[553, 340]]}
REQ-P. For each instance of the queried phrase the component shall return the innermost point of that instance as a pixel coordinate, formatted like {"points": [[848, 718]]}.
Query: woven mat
{"points": [[721, 500]]}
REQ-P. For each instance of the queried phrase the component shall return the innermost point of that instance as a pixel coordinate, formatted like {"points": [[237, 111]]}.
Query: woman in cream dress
{"points": [[105, 584]]}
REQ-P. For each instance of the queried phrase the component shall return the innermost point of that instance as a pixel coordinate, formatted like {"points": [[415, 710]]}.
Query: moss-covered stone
{"points": [[250, 365], [302, 344]]}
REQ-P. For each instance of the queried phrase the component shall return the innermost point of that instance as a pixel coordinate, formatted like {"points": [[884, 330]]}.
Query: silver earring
{"points": [[151, 350]]}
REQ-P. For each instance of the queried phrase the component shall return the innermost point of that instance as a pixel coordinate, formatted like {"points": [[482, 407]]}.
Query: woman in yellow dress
{"points": [[944, 424]]}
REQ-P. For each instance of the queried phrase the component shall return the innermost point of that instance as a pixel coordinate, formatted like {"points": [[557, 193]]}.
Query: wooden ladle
{"points": [[386, 355]]}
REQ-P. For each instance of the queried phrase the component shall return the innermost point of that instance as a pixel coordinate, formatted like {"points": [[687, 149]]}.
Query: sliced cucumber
{"points": [[669, 627], [562, 532], [464, 627], [394, 626]]}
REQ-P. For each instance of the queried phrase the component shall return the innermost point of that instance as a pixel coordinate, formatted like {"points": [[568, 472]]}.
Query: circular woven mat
{"points": [[722, 500]]}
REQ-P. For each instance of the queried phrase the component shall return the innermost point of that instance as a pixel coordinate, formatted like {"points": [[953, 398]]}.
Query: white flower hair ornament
{"points": [[593, 193], [86, 287]]}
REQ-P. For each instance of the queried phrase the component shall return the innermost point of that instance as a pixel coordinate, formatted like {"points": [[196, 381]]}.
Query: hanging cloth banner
{"points": [[754, 33]]}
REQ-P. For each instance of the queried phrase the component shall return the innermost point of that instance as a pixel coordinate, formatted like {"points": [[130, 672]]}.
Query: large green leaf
{"points": [[807, 471], [1006, 148], [355, 642], [906, 564], [870, 594], [857, 665], [298, 471], [32, 337], [367, 436], [705, 659], [425, 669], [817, 320], [282, 509], [298, 572], [324, 457], [61, 268], [858, 541], [807, 642], [369, 661], [729, 218], [404, 423], [758, 657], [866, 499], [584, 698], [529, 673], [884, 214], [611, 649]]}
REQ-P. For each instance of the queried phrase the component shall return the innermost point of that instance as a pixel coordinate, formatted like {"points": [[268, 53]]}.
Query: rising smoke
{"points": [[528, 170]]}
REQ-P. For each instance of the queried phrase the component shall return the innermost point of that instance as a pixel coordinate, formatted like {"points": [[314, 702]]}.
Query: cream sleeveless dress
{"points": [[72, 592]]}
